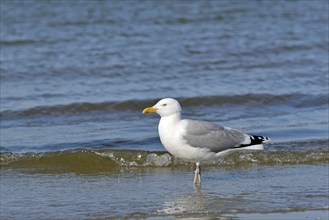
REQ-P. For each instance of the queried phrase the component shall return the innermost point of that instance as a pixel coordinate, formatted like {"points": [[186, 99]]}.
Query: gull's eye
{"points": [[164, 104]]}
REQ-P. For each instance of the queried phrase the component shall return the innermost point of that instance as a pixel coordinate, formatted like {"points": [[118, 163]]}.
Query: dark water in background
{"points": [[75, 76]]}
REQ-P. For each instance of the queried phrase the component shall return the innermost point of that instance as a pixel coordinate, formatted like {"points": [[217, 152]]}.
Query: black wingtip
{"points": [[259, 139]]}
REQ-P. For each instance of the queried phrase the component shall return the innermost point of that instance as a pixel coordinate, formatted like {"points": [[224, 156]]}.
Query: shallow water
{"points": [[154, 192], [75, 76]]}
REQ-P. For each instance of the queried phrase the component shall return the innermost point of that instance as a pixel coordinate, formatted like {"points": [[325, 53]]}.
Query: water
{"points": [[76, 75]]}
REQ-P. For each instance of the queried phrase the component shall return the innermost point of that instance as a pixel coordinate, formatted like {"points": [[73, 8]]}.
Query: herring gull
{"points": [[199, 141]]}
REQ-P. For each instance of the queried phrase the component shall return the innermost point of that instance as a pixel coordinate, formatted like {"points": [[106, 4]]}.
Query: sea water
{"points": [[76, 75]]}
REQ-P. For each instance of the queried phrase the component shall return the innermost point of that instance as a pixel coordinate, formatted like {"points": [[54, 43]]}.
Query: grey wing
{"points": [[213, 137]]}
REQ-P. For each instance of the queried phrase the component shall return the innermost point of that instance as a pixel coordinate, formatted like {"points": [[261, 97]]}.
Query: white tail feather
{"points": [[254, 147]]}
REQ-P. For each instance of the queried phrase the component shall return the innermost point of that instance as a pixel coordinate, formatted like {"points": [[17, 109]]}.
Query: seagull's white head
{"points": [[165, 107]]}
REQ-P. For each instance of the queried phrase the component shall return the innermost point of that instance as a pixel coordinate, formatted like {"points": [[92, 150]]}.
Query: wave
{"points": [[18, 42], [295, 100], [109, 160]]}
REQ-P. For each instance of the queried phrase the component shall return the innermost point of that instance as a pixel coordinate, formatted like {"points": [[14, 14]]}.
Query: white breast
{"points": [[171, 134]]}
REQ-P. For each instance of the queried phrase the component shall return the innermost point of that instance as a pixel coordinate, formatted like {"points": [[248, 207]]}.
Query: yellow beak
{"points": [[149, 110]]}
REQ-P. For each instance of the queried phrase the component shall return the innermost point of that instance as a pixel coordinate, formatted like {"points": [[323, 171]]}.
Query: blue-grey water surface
{"points": [[76, 75]]}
